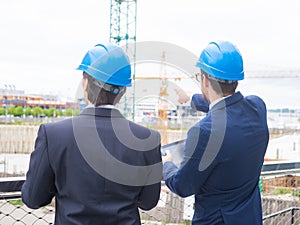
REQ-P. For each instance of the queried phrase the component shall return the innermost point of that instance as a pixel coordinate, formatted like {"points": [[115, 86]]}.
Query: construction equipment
{"points": [[122, 32], [162, 101]]}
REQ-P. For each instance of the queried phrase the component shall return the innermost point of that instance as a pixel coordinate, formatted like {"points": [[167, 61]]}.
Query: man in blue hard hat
{"points": [[100, 167], [224, 152]]}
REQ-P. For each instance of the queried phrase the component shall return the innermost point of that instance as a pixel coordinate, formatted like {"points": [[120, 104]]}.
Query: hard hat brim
{"points": [[219, 74]]}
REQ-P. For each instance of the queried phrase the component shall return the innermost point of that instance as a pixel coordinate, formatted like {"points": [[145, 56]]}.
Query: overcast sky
{"points": [[41, 42]]}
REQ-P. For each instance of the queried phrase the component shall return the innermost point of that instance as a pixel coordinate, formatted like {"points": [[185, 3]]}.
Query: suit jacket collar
{"points": [[228, 101], [102, 112]]}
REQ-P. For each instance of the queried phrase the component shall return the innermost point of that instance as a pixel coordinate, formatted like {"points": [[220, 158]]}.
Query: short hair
{"points": [[222, 87], [99, 96]]}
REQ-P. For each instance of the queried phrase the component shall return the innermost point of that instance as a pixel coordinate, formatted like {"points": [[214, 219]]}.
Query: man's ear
{"points": [[205, 81], [85, 84]]}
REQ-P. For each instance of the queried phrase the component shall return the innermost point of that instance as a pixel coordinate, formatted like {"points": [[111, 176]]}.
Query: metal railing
{"points": [[170, 209], [293, 219]]}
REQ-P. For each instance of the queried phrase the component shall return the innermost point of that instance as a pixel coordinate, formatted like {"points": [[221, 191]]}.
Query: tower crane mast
{"points": [[162, 102], [123, 32]]}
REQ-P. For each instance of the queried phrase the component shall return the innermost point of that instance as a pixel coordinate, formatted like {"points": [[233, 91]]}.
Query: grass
{"points": [[283, 191], [21, 123], [16, 202]]}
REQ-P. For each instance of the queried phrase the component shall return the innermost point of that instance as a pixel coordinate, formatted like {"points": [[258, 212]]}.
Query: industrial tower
{"points": [[123, 32]]}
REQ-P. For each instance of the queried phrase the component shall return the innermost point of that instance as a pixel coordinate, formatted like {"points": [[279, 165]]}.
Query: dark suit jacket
{"points": [[224, 154], [99, 166]]}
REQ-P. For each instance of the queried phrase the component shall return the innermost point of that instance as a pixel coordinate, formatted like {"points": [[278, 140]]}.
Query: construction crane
{"points": [[258, 75], [123, 22], [162, 101], [123, 32], [252, 74]]}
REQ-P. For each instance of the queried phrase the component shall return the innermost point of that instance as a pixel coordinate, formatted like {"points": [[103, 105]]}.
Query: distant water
{"points": [[276, 92], [284, 120]]}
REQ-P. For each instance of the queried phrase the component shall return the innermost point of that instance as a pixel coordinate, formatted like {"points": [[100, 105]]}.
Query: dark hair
{"points": [[99, 96], [222, 87]]}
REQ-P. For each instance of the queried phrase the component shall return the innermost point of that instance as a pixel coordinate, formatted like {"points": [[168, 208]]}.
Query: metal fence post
{"points": [[293, 214]]}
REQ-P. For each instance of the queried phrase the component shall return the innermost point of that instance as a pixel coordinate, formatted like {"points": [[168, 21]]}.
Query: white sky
{"points": [[41, 42]]}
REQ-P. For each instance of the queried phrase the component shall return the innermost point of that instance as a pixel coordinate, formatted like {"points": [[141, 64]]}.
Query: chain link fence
{"points": [[281, 197], [13, 211], [279, 207], [279, 184]]}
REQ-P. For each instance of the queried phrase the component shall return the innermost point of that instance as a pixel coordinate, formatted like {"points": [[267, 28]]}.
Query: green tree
{"points": [[76, 112], [59, 113], [28, 111], [68, 112], [2, 111], [37, 111], [52, 111], [11, 110], [46, 112], [19, 111]]}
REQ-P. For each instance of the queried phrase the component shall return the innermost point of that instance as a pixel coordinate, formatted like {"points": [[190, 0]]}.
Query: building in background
{"points": [[13, 97]]}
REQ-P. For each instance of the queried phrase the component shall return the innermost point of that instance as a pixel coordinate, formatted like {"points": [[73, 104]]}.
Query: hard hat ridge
{"points": [[222, 60]]}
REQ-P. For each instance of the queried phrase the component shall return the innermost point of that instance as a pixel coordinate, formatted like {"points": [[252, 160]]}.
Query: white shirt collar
{"points": [[106, 106], [216, 101], [101, 106]]}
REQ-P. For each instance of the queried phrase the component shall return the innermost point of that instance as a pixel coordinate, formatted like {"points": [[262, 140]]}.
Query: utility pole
{"points": [[123, 32]]}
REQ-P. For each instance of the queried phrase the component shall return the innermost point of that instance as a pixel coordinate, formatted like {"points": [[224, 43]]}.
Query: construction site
{"points": [[160, 100]]}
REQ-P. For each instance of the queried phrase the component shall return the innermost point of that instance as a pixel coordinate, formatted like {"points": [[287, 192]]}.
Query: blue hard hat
{"points": [[222, 60], [107, 63]]}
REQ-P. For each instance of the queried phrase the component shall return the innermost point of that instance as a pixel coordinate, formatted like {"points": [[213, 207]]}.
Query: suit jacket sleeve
{"points": [[150, 194], [188, 179], [39, 188]]}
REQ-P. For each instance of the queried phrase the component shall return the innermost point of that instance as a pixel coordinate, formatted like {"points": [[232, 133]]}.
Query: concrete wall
{"points": [[21, 138], [17, 138]]}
